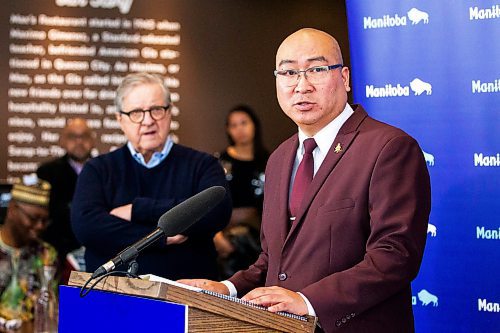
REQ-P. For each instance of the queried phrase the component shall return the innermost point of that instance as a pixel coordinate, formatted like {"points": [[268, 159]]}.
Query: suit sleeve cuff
{"points": [[310, 308], [232, 289]]}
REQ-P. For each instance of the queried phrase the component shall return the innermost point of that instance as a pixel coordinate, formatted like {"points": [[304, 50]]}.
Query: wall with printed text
{"points": [[64, 58]]}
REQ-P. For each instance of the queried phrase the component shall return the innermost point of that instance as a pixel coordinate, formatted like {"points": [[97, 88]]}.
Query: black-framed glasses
{"points": [[315, 75], [157, 112], [34, 219]]}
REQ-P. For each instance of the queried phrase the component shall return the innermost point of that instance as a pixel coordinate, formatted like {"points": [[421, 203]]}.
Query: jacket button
{"points": [[282, 276], [344, 320], [338, 323], [352, 315]]}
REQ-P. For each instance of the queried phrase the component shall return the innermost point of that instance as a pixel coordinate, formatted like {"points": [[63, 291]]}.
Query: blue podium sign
{"points": [[102, 311]]}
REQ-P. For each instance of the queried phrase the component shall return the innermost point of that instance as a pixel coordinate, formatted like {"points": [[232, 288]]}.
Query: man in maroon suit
{"points": [[347, 248]]}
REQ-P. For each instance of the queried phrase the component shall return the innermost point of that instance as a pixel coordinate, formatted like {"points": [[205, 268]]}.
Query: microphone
{"points": [[173, 222]]}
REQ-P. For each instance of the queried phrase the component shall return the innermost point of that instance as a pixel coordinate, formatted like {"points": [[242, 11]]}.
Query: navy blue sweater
{"points": [[116, 179]]}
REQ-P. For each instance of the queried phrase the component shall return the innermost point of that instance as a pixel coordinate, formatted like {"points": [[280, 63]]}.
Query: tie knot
{"points": [[309, 145]]}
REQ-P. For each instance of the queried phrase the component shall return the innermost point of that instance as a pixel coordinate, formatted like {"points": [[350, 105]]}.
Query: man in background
{"points": [[22, 253], [77, 139], [121, 195]]}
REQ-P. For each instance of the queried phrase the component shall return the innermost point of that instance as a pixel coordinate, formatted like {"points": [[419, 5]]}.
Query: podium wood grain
{"points": [[206, 313]]}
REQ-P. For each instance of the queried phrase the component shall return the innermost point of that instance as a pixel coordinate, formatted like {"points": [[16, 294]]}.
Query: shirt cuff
{"points": [[310, 308], [232, 289]]}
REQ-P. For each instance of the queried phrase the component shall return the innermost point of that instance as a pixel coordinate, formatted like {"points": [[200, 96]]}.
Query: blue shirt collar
{"points": [[157, 157]]}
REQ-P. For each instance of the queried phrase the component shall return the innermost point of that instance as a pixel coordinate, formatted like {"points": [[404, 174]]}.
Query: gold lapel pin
{"points": [[338, 148]]}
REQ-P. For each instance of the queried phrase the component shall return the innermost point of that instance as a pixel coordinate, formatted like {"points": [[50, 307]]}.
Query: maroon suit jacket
{"points": [[359, 236]]}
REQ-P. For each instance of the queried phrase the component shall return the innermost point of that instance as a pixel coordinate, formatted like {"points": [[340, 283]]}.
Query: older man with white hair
{"points": [[121, 195]]}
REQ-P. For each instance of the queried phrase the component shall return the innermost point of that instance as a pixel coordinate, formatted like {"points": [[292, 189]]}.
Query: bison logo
{"points": [[431, 229], [426, 298], [418, 86], [416, 16], [429, 158]]}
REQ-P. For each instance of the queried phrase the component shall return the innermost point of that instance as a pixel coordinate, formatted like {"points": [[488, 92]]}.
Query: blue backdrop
{"points": [[432, 68]]}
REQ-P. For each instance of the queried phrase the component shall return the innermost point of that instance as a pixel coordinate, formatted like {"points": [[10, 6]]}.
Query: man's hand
{"points": [[177, 239], [223, 245], [277, 299], [207, 285], [123, 212]]}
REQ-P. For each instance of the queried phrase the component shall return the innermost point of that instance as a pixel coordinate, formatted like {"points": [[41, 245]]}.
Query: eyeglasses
{"points": [[157, 113], [315, 75], [34, 219]]}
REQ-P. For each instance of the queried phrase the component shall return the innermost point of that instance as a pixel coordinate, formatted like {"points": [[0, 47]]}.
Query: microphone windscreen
{"points": [[182, 216]]}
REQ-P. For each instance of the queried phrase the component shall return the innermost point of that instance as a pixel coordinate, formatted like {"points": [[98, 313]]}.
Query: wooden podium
{"points": [[206, 313]]}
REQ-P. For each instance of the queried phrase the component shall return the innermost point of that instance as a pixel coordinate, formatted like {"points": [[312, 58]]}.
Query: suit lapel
{"points": [[343, 140], [288, 159]]}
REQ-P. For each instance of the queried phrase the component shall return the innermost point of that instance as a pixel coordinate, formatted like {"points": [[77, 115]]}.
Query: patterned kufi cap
{"points": [[32, 190]]}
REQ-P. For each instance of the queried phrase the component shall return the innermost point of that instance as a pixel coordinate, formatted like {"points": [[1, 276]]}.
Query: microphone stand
{"points": [[133, 267]]}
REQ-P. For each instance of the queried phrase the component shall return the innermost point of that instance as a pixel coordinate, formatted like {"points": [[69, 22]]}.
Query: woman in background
{"points": [[244, 162]]}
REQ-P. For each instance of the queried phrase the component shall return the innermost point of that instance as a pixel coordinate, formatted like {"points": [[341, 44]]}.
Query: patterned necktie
{"points": [[303, 177]]}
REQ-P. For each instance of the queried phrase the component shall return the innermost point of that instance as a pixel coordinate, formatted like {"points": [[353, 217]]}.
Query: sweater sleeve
{"points": [[205, 173], [92, 224]]}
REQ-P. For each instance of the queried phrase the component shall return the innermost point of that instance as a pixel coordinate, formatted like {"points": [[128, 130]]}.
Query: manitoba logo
{"points": [[429, 158], [415, 16], [484, 160], [389, 90], [476, 13], [426, 298], [431, 229], [418, 87], [479, 86], [485, 233], [483, 305]]}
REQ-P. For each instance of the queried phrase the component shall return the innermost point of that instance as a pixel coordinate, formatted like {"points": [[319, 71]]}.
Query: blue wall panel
{"points": [[432, 68]]}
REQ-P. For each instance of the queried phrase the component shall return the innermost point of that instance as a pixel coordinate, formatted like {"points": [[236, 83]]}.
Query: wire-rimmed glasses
{"points": [[315, 75]]}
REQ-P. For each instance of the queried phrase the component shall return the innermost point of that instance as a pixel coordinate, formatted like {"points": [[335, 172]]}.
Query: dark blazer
{"points": [[62, 178], [359, 236]]}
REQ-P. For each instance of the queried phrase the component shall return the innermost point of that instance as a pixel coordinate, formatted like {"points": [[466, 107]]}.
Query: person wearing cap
{"points": [[22, 252]]}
